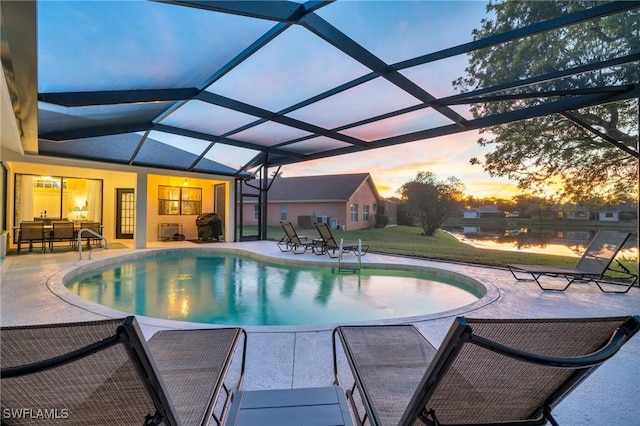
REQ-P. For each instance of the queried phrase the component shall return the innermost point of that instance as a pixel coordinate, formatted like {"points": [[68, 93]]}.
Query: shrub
{"points": [[381, 220]]}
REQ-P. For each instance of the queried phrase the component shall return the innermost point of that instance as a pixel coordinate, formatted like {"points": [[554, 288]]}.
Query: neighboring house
{"points": [[348, 201], [571, 211], [471, 214], [483, 211], [618, 213]]}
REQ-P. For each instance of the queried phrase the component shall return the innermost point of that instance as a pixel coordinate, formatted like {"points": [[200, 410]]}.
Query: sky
{"points": [[391, 167], [294, 66]]}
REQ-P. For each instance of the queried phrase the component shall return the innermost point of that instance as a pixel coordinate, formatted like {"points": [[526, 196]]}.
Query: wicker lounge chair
{"points": [[330, 246], [292, 242], [593, 266], [103, 372], [485, 372]]}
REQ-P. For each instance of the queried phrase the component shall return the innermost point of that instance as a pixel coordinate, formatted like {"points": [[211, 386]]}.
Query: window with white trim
{"points": [[354, 212]]}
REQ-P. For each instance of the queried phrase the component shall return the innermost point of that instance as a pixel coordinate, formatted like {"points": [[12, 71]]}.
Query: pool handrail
{"points": [[358, 255], [98, 235]]}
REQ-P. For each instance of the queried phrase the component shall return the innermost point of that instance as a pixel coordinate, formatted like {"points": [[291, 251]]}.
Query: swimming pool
{"points": [[234, 289]]}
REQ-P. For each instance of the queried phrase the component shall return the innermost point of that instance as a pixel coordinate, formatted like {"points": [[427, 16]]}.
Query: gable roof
{"points": [[324, 188]]}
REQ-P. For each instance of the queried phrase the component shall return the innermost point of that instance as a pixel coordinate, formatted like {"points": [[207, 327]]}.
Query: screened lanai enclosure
{"points": [[236, 88]]}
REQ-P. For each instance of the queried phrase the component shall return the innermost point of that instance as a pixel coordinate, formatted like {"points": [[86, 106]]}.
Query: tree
{"points": [[430, 201], [538, 151]]}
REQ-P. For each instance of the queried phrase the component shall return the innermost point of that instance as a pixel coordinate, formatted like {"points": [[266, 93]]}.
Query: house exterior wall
{"points": [[571, 212], [110, 181], [113, 179], [188, 221], [296, 209], [609, 216], [364, 196], [339, 210]]}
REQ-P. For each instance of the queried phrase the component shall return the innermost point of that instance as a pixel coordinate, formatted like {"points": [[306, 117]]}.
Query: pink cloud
{"points": [[393, 166]]}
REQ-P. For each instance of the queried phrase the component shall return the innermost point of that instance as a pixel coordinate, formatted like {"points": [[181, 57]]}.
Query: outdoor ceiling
{"points": [[225, 87]]}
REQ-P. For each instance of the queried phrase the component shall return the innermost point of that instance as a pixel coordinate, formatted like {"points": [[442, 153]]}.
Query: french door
{"points": [[125, 213]]}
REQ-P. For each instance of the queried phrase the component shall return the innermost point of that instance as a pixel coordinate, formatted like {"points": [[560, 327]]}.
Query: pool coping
{"points": [[56, 285]]}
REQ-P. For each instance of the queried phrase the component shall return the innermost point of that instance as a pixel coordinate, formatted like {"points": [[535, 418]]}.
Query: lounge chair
{"points": [[592, 266], [485, 372], [103, 372], [330, 246], [292, 242]]}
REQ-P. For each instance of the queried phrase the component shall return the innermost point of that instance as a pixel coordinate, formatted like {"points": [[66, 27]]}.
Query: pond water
{"points": [[557, 241]]}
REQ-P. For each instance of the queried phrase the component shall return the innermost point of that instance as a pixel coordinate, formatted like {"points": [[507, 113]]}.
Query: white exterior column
{"points": [[140, 233]]}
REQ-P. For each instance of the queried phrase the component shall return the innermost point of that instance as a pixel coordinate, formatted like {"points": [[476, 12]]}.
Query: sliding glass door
{"points": [[52, 198]]}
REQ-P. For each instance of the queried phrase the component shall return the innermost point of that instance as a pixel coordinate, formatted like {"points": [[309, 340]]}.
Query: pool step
{"points": [[345, 271]]}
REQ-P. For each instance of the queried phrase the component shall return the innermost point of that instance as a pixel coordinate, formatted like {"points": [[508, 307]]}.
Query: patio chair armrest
{"points": [[59, 360], [619, 337]]}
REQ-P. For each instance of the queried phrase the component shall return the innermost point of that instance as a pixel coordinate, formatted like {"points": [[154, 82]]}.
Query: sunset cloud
{"points": [[393, 166]]}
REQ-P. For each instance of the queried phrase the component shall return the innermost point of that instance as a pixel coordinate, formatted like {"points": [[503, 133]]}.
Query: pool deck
{"points": [[296, 357]]}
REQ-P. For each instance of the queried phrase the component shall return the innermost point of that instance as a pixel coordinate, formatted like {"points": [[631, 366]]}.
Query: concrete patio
{"points": [[295, 357]]}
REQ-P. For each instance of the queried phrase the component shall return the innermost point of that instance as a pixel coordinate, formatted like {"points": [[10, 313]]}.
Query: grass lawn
{"points": [[407, 241]]}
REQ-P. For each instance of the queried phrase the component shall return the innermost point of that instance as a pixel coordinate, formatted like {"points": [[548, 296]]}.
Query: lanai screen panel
{"points": [[134, 45], [221, 86], [293, 67]]}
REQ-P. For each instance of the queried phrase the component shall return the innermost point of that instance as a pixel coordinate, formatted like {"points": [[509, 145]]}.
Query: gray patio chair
{"points": [[292, 242], [594, 265], [329, 244], [62, 231], [486, 371], [103, 372], [31, 232]]}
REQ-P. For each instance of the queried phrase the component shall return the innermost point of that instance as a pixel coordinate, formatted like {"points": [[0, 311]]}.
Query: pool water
{"points": [[218, 288]]}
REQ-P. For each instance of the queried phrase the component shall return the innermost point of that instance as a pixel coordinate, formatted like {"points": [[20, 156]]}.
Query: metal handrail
{"points": [[358, 254], [91, 231]]}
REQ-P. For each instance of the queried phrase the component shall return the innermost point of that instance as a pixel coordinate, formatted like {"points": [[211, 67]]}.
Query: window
{"points": [[57, 198], [46, 182], [283, 212], [180, 201], [365, 213], [256, 212], [354, 212]]}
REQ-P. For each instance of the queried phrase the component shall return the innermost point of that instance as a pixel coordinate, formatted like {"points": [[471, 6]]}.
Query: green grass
{"points": [[407, 241]]}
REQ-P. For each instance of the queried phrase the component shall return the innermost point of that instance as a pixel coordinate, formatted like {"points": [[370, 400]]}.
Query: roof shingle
{"points": [[316, 188]]}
